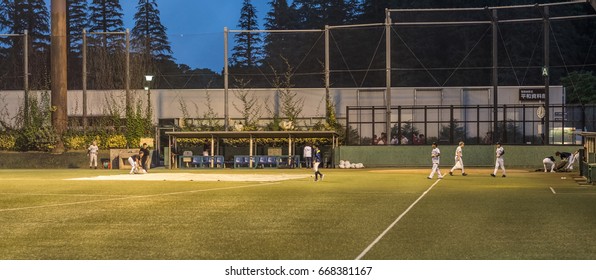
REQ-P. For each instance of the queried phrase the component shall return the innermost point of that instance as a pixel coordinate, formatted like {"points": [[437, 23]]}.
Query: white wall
{"points": [[166, 103]]}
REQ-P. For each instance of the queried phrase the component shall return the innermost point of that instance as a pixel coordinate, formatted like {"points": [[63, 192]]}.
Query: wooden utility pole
{"points": [[58, 69]]}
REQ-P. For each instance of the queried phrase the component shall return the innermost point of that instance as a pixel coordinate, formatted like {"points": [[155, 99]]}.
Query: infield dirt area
{"points": [[197, 177]]}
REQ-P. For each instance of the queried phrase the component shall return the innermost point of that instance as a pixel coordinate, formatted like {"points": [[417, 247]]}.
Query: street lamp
{"points": [[148, 79]]}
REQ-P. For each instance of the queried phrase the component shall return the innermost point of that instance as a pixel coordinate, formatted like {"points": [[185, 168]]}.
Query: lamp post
{"points": [[148, 79]]}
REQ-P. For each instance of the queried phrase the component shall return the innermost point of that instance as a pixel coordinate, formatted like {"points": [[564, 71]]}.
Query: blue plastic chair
{"points": [[262, 161], [219, 161], [196, 161], [272, 161], [206, 162]]}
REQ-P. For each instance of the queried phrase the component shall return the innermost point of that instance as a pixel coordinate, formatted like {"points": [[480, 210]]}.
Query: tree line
{"points": [[437, 55], [421, 55], [150, 50]]}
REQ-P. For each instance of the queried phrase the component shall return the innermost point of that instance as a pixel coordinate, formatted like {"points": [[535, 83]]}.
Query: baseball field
{"points": [[274, 214]]}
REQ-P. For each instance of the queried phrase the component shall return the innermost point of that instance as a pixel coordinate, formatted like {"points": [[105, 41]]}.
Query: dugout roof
{"points": [[253, 134]]}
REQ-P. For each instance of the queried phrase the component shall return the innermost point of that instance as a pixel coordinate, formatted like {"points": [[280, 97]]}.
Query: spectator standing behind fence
{"points": [[92, 153], [404, 140], [500, 152], [383, 139], [419, 140], [488, 138], [145, 156], [394, 140], [307, 154]]}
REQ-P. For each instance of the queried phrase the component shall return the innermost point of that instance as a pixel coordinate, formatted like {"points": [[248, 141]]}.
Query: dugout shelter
{"points": [[588, 158], [216, 136]]}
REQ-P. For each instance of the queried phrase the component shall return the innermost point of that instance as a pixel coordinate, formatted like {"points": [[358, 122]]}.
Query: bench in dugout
{"points": [[265, 161], [187, 160], [288, 162], [241, 161]]}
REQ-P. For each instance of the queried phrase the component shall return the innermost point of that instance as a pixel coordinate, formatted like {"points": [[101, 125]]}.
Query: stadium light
{"points": [[148, 79]]}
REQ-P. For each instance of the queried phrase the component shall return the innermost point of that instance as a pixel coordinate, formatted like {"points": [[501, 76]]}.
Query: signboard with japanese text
{"points": [[531, 94]]}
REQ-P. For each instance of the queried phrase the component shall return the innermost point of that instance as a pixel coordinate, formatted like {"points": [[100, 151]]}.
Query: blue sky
{"points": [[195, 27]]}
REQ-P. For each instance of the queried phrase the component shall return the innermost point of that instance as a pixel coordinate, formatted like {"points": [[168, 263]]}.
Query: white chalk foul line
{"points": [[394, 223], [66, 194], [133, 197]]}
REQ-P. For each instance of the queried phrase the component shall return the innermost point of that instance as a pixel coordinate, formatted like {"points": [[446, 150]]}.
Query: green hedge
{"points": [[34, 160]]}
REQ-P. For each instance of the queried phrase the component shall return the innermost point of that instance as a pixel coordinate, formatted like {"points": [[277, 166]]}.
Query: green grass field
{"points": [[43, 216]]}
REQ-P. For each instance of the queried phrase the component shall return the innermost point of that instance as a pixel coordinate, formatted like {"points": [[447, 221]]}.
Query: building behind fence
{"points": [[445, 115]]}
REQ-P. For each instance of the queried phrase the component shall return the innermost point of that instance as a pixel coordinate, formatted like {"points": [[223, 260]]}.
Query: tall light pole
{"points": [[148, 79], [58, 70]]}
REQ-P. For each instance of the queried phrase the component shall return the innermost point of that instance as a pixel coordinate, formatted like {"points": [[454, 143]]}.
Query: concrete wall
{"points": [[516, 156], [167, 103]]}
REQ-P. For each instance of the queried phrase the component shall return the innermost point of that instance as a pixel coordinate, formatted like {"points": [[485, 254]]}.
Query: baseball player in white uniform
{"points": [[500, 152], [549, 162], [572, 160], [436, 157], [459, 162], [92, 153]]}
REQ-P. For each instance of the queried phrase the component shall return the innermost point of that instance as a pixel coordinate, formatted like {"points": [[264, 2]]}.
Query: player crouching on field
{"points": [[135, 166], [549, 162], [561, 167]]}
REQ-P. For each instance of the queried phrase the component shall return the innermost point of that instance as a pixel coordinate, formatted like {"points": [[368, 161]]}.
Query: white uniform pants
{"points": [[572, 159], [93, 160], [547, 163], [435, 169], [133, 165], [500, 163], [459, 164]]}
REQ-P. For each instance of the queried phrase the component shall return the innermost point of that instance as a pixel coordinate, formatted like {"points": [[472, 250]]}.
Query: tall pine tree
{"points": [[77, 19], [149, 35], [106, 16], [281, 17], [246, 52], [4, 12], [315, 14], [5, 42], [106, 53], [33, 17]]}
